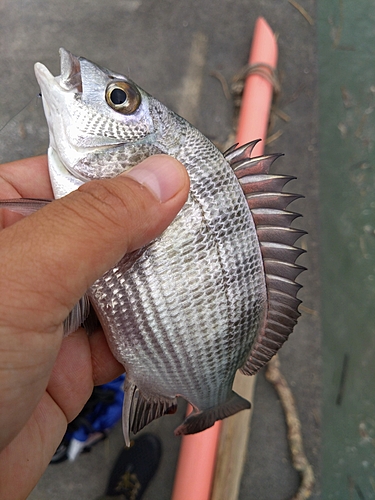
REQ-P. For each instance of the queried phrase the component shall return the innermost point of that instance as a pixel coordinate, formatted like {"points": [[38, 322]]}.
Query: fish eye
{"points": [[123, 97]]}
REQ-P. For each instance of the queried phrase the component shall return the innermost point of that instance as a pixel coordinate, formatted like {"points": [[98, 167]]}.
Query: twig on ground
{"points": [[299, 459], [302, 11]]}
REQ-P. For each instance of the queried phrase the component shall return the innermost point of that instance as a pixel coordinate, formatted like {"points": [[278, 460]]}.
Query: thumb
{"points": [[52, 257]]}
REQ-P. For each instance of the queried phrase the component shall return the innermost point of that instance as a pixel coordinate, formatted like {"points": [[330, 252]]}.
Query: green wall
{"points": [[346, 32]]}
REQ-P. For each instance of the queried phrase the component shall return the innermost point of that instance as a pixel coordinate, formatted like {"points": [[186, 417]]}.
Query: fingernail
{"points": [[161, 174]]}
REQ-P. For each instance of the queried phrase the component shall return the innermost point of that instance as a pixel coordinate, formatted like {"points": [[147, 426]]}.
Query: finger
{"points": [[104, 366], [71, 384], [25, 459], [83, 361], [69, 388], [26, 178]]}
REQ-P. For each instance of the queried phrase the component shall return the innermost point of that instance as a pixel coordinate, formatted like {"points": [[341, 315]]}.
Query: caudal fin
{"points": [[197, 422]]}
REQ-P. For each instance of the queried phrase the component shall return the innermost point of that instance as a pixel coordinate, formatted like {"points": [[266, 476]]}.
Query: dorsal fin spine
{"points": [[257, 165], [237, 154]]}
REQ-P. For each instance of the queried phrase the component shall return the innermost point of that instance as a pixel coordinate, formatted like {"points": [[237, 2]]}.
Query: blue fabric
{"points": [[104, 415]]}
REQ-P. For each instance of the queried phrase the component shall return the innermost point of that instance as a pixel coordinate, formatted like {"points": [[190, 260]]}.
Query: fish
{"points": [[216, 292]]}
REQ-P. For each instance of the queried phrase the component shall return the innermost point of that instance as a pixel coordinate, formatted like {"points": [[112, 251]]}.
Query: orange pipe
{"points": [[196, 463], [257, 95]]}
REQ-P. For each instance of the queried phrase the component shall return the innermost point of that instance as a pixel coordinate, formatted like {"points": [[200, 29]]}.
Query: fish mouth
{"points": [[70, 78]]}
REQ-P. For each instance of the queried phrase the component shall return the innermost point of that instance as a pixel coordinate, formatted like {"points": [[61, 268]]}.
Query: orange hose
{"points": [[196, 463], [257, 95]]}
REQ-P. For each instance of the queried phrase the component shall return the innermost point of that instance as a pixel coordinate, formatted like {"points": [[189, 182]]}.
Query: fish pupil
{"points": [[118, 96]]}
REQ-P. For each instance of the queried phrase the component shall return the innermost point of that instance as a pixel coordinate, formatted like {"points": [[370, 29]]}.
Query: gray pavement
{"points": [[151, 41]]}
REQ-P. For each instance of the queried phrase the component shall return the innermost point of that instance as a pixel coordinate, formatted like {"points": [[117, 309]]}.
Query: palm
{"points": [[81, 362]]}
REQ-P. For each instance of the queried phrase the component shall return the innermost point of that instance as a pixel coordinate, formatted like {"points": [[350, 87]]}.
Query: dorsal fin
{"points": [[276, 237], [235, 154], [252, 166]]}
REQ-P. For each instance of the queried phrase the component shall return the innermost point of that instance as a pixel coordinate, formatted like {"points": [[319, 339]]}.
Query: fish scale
{"points": [[149, 341], [159, 307], [216, 292]]}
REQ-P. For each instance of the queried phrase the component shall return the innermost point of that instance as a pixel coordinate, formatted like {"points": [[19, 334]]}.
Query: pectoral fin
{"points": [[24, 206], [77, 316]]}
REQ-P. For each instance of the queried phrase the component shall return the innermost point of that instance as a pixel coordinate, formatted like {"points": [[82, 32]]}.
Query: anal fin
{"points": [[140, 409], [201, 420]]}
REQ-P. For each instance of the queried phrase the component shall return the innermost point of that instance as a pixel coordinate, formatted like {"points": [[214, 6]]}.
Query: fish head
{"points": [[100, 123]]}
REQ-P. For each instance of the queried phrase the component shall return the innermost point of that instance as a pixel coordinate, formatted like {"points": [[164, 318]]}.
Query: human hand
{"points": [[48, 261]]}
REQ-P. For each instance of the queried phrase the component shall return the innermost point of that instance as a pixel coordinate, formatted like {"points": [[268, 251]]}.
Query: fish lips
{"points": [[53, 87], [70, 78]]}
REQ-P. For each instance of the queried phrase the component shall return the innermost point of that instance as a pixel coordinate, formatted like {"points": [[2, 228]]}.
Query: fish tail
{"points": [[140, 409], [197, 422]]}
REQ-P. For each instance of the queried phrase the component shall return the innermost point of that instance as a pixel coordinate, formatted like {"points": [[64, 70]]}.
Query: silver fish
{"points": [[216, 292]]}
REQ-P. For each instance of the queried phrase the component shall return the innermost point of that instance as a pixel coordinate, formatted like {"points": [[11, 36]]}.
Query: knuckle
{"points": [[106, 200]]}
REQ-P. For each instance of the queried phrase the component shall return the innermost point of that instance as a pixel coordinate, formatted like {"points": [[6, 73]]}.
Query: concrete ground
{"points": [[151, 41]]}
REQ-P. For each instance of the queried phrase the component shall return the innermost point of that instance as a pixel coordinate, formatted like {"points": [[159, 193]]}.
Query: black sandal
{"points": [[134, 469]]}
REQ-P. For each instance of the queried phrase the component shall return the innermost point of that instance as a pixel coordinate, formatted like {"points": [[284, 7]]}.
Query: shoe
{"points": [[134, 468]]}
